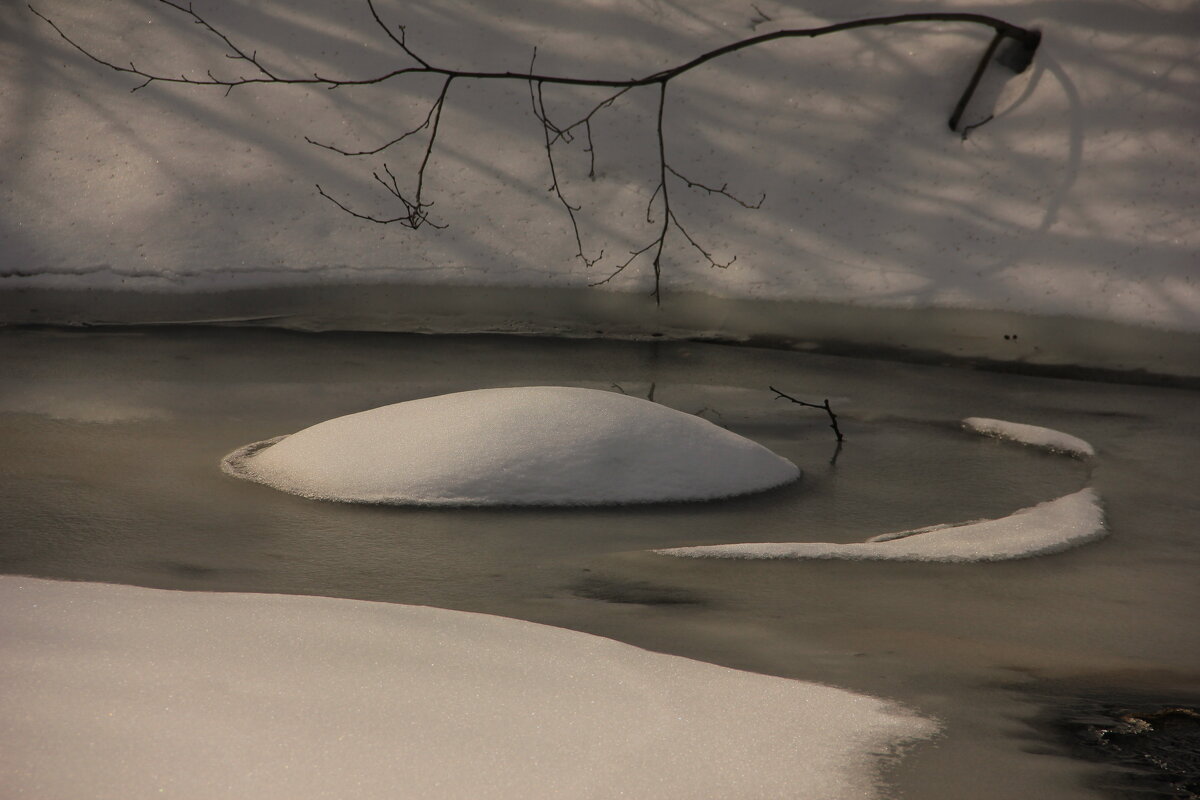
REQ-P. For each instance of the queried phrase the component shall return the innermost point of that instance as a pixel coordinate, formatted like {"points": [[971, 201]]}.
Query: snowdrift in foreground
{"points": [[543, 445], [1046, 438], [117, 691], [1046, 528]]}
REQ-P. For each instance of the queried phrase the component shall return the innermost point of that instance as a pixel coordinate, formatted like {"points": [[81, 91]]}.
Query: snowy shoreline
{"points": [[120, 691]]}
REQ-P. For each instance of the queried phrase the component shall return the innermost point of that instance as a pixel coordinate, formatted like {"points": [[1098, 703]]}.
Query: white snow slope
{"points": [[1033, 435], [538, 445], [1049, 527], [1079, 197], [116, 691]]}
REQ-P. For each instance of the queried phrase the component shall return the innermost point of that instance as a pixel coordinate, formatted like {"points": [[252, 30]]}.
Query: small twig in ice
{"points": [[832, 416]]}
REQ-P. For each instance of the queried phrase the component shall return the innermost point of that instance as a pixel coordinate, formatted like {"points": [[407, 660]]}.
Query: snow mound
{"points": [[118, 691], [542, 445], [1046, 528], [1046, 438]]}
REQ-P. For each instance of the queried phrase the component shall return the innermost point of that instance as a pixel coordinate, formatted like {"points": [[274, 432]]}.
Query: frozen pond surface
{"points": [[113, 441]]}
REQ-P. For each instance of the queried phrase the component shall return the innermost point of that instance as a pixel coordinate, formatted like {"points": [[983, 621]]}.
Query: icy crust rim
{"points": [[235, 463]]}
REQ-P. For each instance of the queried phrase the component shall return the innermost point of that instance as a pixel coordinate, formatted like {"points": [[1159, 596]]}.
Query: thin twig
{"points": [[825, 406], [633, 256], [435, 107], [712, 262], [551, 133], [399, 40], [723, 191]]}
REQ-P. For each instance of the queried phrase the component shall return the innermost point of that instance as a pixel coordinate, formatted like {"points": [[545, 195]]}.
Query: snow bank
{"points": [[1047, 438], [1040, 530], [116, 691], [543, 445], [1079, 197]]}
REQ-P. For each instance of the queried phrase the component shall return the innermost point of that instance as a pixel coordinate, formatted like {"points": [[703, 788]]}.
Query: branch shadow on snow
{"points": [[867, 192]]}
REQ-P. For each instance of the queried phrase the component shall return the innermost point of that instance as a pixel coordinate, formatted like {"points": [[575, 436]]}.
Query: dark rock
{"points": [[1157, 744]]}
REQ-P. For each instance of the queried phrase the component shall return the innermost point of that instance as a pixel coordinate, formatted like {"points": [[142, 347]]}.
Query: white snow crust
{"points": [[117, 691], [1046, 438], [540, 445], [1046, 528]]}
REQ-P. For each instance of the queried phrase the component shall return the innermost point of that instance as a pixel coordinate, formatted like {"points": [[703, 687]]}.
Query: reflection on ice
{"points": [[1040, 530], [116, 691]]}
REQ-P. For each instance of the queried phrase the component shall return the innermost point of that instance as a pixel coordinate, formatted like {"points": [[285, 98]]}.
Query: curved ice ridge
{"points": [[1045, 438], [1049, 527]]}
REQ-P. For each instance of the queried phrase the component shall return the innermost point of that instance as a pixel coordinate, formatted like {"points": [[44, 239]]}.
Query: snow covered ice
{"points": [[542, 445], [1032, 435], [117, 691], [1046, 528]]}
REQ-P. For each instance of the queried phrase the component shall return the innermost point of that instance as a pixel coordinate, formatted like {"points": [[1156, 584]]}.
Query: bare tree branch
{"points": [[633, 256], [664, 192], [552, 134], [723, 191], [1008, 30], [434, 109], [712, 262], [415, 207], [399, 40]]}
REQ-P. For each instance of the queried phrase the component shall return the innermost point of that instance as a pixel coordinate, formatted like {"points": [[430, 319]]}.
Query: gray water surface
{"points": [[112, 441]]}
